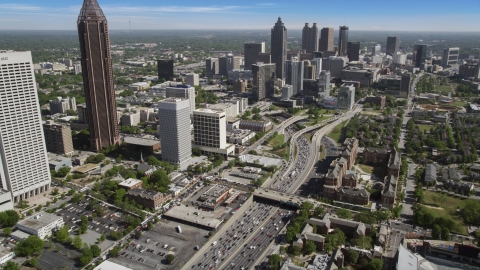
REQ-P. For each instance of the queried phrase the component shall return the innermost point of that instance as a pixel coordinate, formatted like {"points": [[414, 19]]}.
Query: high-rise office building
{"points": [[265, 58], [326, 39], [405, 83], [62, 105], [376, 50], [353, 50], [450, 57], [182, 91], [294, 74], [392, 45], [343, 41], [24, 169], [262, 80], [310, 38], [279, 47], [317, 62], [419, 54], [97, 76], [212, 67], [210, 132], [309, 70], [58, 138], [346, 97], [251, 50], [165, 69], [82, 113], [287, 91], [174, 130], [323, 82]]}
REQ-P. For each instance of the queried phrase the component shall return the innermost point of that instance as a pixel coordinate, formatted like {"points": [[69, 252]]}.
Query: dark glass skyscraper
{"points": [[342, 41], [353, 50], [419, 54], [392, 45], [279, 47], [97, 76], [310, 38], [165, 69]]}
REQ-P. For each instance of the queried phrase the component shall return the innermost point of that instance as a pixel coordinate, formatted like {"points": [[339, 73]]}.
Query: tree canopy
{"points": [[33, 244]]}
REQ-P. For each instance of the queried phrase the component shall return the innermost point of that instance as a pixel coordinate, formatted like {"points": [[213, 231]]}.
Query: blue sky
{"points": [[405, 15]]}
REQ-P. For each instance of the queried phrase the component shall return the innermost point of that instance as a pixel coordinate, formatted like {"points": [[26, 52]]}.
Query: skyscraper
{"points": [[210, 132], [342, 41], [294, 74], [174, 127], [279, 47], [450, 57], [97, 76], [326, 41], [353, 50], [165, 69], [182, 91], [392, 45], [376, 50], [24, 167], [310, 38], [212, 67], [262, 80], [251, 51], [58, 138], [419, 54]]}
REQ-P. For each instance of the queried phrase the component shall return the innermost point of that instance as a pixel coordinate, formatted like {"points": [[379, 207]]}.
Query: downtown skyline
{"points": [[211, 15]]}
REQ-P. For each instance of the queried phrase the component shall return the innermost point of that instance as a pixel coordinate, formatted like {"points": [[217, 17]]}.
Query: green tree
{"points": [[31, 263], [114, 251], [170, 258], [274, 261], [11, 266], [96, 251], [364, 242], [344, 213], [87, 256], [102, 238], [149, 225], [119, 194], [282, 250], [7, 231], [309, 247], [296, 251], [318, 211], [351, 256], [436, 231], [33, 244], [62, 234], [77, 242], [375, 264], [445, 234], [9, 218], [307, 206]]}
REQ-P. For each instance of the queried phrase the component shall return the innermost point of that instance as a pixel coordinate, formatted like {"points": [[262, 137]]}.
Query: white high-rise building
{"points": [[318, 63], [174, 130], [182, 91], [210, 132], [24, 167], [294, 74]]}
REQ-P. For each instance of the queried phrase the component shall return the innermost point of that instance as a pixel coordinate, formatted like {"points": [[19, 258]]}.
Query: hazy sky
{"points": [[405, 15]]}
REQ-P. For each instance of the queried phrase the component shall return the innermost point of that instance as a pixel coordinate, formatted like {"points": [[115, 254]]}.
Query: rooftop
{"points": [[147, 194], [185, 213], [86, 168], [216, 191], [108, 265], [130, 182], [39, 220], [140, 141], [264, 161]]}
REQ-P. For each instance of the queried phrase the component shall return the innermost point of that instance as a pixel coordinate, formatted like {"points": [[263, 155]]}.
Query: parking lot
{"points": [[110, 220], [229, 174], [59, 257], [151, 250]]}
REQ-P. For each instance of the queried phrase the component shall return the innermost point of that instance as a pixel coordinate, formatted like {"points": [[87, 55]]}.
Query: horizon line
{"points": [[246, 29]]}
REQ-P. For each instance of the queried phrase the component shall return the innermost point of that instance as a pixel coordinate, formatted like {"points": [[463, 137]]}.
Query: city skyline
{"points": [[145, 15]]}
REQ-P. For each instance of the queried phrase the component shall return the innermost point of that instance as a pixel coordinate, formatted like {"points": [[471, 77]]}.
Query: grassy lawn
{"points": [[425, 127], [318, 120], [336, 133], [366, 168], [308, 136], [446, 209], [444, 89], [322, 155], [284, 152], [460, 103], [277, 141]]}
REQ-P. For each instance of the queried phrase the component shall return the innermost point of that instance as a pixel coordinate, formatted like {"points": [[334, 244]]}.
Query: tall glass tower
{"points": [[279, 47]]}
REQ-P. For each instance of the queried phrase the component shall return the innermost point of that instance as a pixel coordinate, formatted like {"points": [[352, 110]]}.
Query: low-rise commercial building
{"points": [[42, 224], [6, 202], [6, 254], [58, 138], [257, 126], [376, 100], [130, 183], [214, 196], [148, 198], [56, 162], [240, 136], [146, 146]]}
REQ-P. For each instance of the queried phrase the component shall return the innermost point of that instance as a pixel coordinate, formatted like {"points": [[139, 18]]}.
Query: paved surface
{"points": [[409, 192]]}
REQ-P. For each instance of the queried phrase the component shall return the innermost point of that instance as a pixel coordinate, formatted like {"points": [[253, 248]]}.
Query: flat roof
{"points": [[264, 161], [39, 220], [109, 265], [140, 141], [130, 182], [19, 234], [186, 214], [86, 168], [216, 191]]}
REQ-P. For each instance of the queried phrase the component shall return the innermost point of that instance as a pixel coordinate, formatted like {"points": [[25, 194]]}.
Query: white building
{"points": [[192, 79], [6, 254], [240, 136], [24, 167], [41, 224], [61, 105], [318, 63], [399, 58], [5, 200], [182, 91], [210, 132], [139, 86], [108, 265], [346, 97], [131, 119], [287, 91], [230, 109], [174, 129], [294, 74]]}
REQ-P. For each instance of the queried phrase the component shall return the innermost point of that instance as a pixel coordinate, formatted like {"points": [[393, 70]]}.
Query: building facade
{"points": [[251, 50], [24, 167], [392, 45], [279, 47], [42, 224], [151, 199], [353, 50], [174, 125], [326, 39], [165, 69], [210, 132], [310, 38], [212, 67], [192, 79], [343, 41], [58, 138], [346, 97], [61, 105], [97, 76], [450, 57], [294, 74], [419, 55], [182, 91], [263, 80]]}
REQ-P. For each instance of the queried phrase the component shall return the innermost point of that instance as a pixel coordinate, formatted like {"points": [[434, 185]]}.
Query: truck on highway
{"points": [[179, 229]]}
